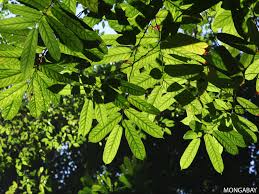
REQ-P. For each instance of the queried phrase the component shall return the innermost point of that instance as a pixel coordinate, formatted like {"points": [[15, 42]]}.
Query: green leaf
{"points": [[121, 102], [70, 5], [252, 71], [183, 70], [16, 23], [64, 49], [25, 11], [75, 26], [100, 131], [101, 114], [235, 42], [223, 21], [86, 118], [190, 135], [144, 123], [136, 145], [41, 5], [39, 95], [53, 72], [91, 4], [226, 140], [248, 123], [11, 99], [66, 35], [49, 39], [10, 72], [237, 138], [29, 51], [249, 106], [190, 153], [257, 85], [248, 135], [214, 151], [112, 144], [253, 31], [143, 105], [116, 54], [132, 88], [15, 53], [184, 44], [143, 80]]}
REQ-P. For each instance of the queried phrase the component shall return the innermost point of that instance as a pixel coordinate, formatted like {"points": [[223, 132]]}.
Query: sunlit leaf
{"points": [[112, 144], [136, 145], [214, 151], [190, 153]]}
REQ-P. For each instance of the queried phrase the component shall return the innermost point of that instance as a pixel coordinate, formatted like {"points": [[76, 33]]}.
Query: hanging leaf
{"points": [[49, 39], [136, 145], [29, 51], [235, 42], [101, 113], [248, 123], [248, 105], [66, 35], [190, 153], [75, 25], [214, 150], [100, 131], [143, 105], [236, 138], [40, 96], [144, 123], [112, 144], [86, 118], [190, 135], [226, 141], [248, 135]]}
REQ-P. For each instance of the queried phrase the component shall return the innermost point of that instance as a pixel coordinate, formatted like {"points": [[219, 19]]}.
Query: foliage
{"points": [[28, 145], [159, 58]]}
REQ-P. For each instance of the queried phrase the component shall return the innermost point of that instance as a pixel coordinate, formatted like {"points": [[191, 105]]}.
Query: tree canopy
{"points": [[161, 59]]}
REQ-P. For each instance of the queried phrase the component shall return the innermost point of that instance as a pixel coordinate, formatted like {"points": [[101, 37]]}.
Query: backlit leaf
{"points": [[100, 131], [144, 123], [190, 153], [29, 51], [136, 145], [213, 149], [112, 144], [86, 117], [49, 39]]}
